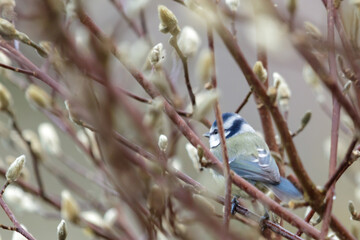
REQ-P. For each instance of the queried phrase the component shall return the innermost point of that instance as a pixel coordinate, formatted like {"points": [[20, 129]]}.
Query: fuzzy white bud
{"points": [[69, 207], [233, 4], [168, 21], [193, 155], [133, 7], [61, 230], [156, 55], [21, 200], [260, 71], [204, 66], [312, 31], [283, 91], [38, 97], [189, 41], [163, 142], [313, 80], [32, 137], [88, 138], [7, 7], [5, 98], [110, 217], [15, 168], [205, 102], [49, 139], [93, 217], [4, 59]]}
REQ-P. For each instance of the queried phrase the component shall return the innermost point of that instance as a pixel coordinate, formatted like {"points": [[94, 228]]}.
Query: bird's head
{"points": [[234, 124]]}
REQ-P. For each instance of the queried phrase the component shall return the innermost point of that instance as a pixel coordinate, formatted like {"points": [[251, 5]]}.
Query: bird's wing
{"points": [[260, 168]]}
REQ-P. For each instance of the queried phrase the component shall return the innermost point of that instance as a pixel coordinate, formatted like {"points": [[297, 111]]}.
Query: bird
{"points": [[250, 157]]}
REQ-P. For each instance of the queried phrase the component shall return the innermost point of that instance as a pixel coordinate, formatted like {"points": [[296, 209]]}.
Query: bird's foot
{"points": [[264, 218], [234, 204]]}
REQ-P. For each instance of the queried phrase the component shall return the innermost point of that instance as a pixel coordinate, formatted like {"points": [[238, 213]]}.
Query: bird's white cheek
{"points": [[214, 141]]}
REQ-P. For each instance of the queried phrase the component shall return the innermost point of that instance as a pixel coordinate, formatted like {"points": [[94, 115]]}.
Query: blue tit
{"points": [[249, 156]]}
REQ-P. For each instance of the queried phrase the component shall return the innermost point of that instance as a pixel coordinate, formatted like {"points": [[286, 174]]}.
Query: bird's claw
{"points": [[264, 218], [234, 204]]}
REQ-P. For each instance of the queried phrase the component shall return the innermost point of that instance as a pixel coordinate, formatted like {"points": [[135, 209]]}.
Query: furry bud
{"points": [[5, 98], [260, 71], [69, 207], [38, 97], [163, 142], [189, 41], [61, 230], [15, 168], [168, 21]]}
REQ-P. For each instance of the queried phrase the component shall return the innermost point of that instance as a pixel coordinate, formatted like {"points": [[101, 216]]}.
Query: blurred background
{"points": [[312, 143]]}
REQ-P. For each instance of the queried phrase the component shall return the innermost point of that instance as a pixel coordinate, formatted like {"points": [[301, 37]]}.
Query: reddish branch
{"points": [[32, 67], [220, 123], [343, 166], [17, 225], [335, 119], [120, 8]]}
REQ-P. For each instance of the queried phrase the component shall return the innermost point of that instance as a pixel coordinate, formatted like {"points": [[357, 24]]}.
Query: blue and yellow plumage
{"points": [[249, 156]]}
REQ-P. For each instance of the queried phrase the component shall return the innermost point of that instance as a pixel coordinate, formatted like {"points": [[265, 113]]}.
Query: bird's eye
{"points": [[215, 131]]}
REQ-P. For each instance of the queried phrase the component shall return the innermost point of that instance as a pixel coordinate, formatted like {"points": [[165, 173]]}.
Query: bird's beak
{"points": [[206, 134]]}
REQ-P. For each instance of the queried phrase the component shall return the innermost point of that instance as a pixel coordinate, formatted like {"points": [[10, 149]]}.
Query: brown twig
{"points": [[12, 218], [36, 71], [173, 42], [343, 166], [307, 219], [120, 8], [335, 120], [3, 188], [243, 103], [34, 156], [220, 125]]}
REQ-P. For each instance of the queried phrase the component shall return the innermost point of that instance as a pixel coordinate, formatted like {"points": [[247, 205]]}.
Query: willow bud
{"points": [[260, 71], [168, 21], [233, 4], [15, 168], [61, 230], [189, 41], [163, 142], [5, 98], [69, 207], [49, 139], [38, 97], [157, 201]]}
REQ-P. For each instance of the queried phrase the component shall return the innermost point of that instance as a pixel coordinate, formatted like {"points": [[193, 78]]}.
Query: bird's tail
{"points": [[285, 190]]}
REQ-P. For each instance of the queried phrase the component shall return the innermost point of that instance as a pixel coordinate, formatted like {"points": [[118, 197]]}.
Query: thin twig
{"points": [[34, 156], [4, 187], [307, 219], [36, 71], [118, 5], [12, 218], [243, 103], [173, 42], [335, 119], [220, 124], [343, 166]]}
